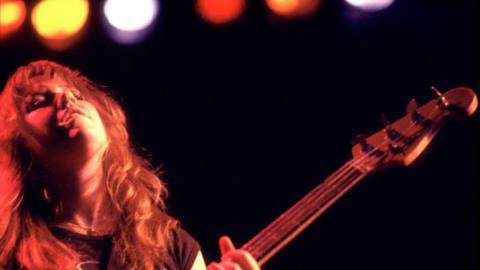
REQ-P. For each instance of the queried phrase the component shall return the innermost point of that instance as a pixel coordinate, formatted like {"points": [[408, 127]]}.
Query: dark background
{"points": [[247, 118]]}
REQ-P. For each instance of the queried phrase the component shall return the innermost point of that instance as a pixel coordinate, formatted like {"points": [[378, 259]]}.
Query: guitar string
{"points": [[326, 189], [268, 250], [346, 170], [335, 177], [323, 189], [269, 229], [248, 245], [279, 226]]}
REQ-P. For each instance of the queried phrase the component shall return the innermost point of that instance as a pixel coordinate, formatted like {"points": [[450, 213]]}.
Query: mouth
{"points": [[67, 121], [66, 127]]}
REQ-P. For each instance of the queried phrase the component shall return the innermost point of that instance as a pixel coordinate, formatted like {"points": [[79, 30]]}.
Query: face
{"points": [[59, 125]]}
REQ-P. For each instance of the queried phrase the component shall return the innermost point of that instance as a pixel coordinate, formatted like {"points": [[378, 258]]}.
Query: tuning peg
{"points": [[442, 101], [392, 134], [416, 117], [395, 149], [362, 140], [412, 106]]}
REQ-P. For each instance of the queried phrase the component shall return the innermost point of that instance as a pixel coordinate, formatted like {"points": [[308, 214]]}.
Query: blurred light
{"points": [[12, 16], [283, 7], [308, 7], [59, 21], [130, 15], [220, 11], [129, 20], [370, 5], [294, 8]]}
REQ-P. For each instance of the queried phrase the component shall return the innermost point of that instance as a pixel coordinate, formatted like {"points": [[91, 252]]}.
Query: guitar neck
{"points": [[280, 232], [399, 143]]}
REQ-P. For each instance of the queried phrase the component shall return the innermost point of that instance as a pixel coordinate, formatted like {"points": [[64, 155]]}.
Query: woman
{"points": [[73, 192]]}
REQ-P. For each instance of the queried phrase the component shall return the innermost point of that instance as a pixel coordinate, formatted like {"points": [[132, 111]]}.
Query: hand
{"points": [[233, 259]]}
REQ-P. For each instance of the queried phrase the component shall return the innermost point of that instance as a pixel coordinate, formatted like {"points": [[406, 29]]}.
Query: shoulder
{"points": [[182, 237], [183, 249]]}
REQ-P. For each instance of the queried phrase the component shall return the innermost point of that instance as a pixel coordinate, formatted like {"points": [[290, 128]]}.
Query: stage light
{"points": [[370, 5], [293, 8], [130, 15], [129, 21], [58, 22], [283, 7], [12, 16], [220, 11]]}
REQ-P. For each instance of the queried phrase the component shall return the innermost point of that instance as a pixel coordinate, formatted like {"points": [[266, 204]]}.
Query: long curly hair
{"points": [[143, 231]]}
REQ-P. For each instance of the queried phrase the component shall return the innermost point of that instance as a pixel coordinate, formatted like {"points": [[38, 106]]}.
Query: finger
{"points": [[66, 116], [80, 110], [242, 258], [67, 123], [227, 265], [226, 245]]}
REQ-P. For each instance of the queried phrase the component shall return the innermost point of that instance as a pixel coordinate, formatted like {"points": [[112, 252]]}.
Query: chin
{"points": [[73, 132]]}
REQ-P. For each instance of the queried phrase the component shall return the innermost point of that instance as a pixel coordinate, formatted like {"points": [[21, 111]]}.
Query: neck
{"points": [[80, 198]]}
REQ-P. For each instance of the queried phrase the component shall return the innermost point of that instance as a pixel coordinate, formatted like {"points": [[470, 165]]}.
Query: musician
{"points": [[74, 194]]}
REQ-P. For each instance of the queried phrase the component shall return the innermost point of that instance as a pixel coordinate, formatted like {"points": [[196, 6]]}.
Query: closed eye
{"points": [[38, 100]]}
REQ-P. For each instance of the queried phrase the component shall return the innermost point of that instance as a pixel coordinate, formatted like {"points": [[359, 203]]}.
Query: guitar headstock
{"points": [[402, 141]]}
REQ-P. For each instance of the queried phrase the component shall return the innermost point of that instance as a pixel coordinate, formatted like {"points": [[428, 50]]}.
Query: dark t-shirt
{"points": [[95, 251]]}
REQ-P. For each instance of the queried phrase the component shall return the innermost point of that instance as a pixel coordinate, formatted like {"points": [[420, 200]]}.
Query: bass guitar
{"points": [[398, 144]]}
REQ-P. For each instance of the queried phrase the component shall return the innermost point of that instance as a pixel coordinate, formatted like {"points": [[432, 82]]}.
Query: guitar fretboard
{"points": [[276, 235]]}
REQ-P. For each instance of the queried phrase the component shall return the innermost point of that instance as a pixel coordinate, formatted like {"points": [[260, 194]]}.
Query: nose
{"points": [[60, 101], [64, 100]]}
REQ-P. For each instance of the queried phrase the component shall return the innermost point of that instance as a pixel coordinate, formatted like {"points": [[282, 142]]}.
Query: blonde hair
{"points": [[143, 230]]}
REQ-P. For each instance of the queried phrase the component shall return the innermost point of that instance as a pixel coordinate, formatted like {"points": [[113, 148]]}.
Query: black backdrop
{"points": [[247, 118]]}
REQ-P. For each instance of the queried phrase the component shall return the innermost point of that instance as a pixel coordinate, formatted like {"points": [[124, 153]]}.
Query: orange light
{"points": [[294, 8], [58, 21], [283, 7], [220, 11], [12, 16]]}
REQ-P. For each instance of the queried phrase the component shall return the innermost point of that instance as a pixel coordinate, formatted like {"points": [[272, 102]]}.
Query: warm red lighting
{"points": [[294, 8], [220, 11], [308, 7], [12, 16]]}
